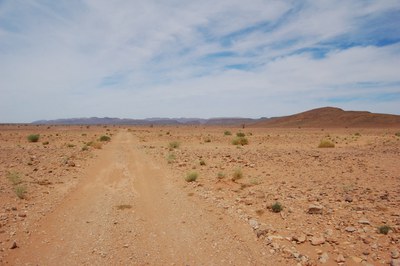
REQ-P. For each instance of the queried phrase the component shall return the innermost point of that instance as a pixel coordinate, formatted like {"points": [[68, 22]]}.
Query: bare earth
{"points": [[127, 203]]}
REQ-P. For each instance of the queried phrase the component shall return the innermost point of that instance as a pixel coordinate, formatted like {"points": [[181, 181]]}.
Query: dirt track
{"points": [[129, 210]]}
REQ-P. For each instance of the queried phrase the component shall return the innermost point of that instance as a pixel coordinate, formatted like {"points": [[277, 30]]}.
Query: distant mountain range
{"points": [[148, 121], [316, 118]]}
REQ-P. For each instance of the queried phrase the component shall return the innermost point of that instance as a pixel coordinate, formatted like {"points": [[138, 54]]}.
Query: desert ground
{"points": [[71, 199]]}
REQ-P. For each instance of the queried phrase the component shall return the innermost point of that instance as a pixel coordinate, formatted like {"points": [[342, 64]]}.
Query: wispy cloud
{"points": [[190, 58]]}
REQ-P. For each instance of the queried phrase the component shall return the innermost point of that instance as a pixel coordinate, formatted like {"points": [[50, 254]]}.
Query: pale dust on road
{"points": [[164, 226]]}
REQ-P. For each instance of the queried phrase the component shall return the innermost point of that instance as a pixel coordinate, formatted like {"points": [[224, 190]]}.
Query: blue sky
{"points": [[138, 59]]}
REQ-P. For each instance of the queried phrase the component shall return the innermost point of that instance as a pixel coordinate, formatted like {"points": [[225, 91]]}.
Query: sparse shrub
{"points": [[85, 148], [33, 138], [357, 134], [326, 144], [174, 145], [227, 133], [94, 144], [237, 174], [221, 175], [240, 134], [384, 229], [69, 145], [171, 158], [397, 134], [20, 191], [192, 176], [240, 141], [104, 138], [14, 177], [202, 162], [124, 207], [276, 207], [45, 143], [207, 140]]}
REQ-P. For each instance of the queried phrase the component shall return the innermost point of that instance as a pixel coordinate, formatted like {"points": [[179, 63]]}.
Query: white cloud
{"points": [[151, 58]]}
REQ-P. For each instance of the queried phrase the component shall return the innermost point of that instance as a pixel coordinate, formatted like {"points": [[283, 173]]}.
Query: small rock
{"points": [[350, 229], [357, 259], [254, 224], [261, 232], [395, 254], [71, 164], [299, 238], [363, 221], [315, 241], [126, 246], [348, 198], [340, 258], [14, 245], [324, 258], [315, 209], [22, 215], [395, 262]]}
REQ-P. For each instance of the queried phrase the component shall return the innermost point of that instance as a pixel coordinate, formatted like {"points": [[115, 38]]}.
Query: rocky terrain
{"points": [[301, 204]]}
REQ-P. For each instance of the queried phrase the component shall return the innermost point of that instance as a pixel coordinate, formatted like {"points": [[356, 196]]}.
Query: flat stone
{"points": [[363, 221], [315, 209], [315, 241], [357, 259], [350, 229], [299, 238], [395, 254], [395, 262]]}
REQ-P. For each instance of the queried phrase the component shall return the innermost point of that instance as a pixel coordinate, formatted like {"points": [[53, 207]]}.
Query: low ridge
{"points": [[332, 117]]}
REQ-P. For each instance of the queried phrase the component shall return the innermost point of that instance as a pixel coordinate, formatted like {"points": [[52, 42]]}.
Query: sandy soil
{"points": [[128, 203]]}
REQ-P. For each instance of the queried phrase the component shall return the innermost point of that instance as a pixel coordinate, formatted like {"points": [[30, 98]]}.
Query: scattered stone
{"points": [[395, 262], [357, 259], [364, 221], [23, 215], [395, 254], [71, 164], [299, 238], [315, 209], [323, 258], [340, 258], [14, 245], [126, 246], [350, 229], [254, 224], [348, 198], [315, 241]]}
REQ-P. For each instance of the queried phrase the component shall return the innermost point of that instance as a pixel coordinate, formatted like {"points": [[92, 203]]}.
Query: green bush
{"points": [[237, 174], [33, 138], [191, 177], [227, 133], [326, 144], [220, 175], [20, 191], [105, 138], [384, 229], [14, 177], [240, 134], [171, 158], [174, 145], [240, 141], [276, 207]]}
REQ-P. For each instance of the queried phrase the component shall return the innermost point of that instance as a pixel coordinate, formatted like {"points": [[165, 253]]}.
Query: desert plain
{"points": [[71, 199]]}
